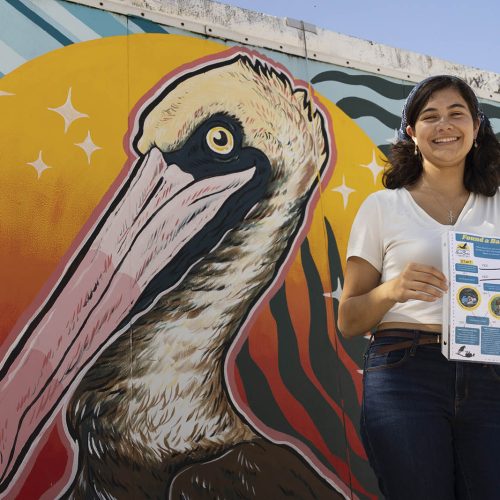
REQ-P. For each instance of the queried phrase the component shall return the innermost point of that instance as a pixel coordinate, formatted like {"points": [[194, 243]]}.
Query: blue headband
{"points": [[402, 135]]}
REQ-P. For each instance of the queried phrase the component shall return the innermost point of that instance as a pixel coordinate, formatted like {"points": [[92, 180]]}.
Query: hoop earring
{"points": [[416, 150]]}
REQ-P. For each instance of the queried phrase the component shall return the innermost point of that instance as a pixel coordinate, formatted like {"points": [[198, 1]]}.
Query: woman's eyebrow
{"points": [[451, 106]]}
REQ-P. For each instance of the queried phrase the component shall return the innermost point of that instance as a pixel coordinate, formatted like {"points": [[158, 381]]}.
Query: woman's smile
{"points": [[445, 140]]}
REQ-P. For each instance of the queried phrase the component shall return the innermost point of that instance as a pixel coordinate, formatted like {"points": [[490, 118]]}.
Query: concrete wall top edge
{"points": [[262, 30]]}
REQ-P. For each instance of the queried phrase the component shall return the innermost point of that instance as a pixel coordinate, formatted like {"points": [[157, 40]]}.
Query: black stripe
{"points": [[259, 395], [356, 107], [324, 359], [331, 372], [490, 110], [355, 348], [380, 85], [47, 27], [329, 425], [262, 403], [385, 149]]}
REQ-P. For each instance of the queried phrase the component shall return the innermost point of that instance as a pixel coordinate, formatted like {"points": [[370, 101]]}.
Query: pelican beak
{"points": [[148, 229]]}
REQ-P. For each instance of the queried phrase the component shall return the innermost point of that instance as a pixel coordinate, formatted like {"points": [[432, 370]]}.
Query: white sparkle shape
{"points": [[374, 167], [344, 190], [40, 165], [2, 92], [336, 293], [88, 146], [68, 112]]}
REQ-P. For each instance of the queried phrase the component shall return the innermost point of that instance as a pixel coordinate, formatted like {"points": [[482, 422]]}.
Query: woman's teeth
{"points": [[445, 139]]}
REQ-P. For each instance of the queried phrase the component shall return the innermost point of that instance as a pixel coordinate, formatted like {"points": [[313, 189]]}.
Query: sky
{"points": [[461, 31]]}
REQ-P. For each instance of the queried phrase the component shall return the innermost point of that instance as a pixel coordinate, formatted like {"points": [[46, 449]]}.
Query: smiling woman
{"points": [[444, 173], [481, 172], [445, 130]]}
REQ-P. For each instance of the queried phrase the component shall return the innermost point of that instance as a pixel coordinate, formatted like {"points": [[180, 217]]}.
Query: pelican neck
{"points": [[423, 213]]}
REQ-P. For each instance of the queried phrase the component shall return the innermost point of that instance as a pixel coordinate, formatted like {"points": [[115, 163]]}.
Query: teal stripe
{"points": [[43, 10], [147, 26], [14, 30], [35, 18], [100, 21]]}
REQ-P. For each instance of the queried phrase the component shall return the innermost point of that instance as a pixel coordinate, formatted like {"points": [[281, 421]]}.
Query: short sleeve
{"points": [[366, 239]]}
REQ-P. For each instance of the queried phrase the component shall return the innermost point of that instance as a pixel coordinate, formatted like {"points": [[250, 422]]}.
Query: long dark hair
{"points": [[482, 163]]}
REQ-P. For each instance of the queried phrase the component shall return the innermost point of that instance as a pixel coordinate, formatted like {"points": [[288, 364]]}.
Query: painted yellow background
{"points": [[40, 216]]}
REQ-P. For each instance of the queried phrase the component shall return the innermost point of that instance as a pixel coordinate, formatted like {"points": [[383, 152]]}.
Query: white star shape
{"points": [[374, 167], [88, 146], [336, 293], [68, 112], [345, 191], [40, 165]]}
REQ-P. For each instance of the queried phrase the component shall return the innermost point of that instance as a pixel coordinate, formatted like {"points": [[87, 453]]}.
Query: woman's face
{"points": [[445, 130]]}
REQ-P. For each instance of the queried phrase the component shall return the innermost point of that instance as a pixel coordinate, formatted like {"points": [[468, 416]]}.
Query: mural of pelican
{"points": [[226, 156]]}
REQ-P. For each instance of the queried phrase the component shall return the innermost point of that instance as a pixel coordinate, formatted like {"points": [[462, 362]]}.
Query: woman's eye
{"points": [[427, 118], [220, 140]]}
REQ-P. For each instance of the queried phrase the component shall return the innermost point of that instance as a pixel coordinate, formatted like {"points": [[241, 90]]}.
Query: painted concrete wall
{"points": [[174, 218]]}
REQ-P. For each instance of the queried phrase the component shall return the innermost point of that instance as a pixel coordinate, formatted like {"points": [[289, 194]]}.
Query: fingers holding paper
{"points": [[418, 282]]}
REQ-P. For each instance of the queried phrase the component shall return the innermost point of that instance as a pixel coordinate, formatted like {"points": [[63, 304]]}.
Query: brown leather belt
{"points": [[417, 337]]}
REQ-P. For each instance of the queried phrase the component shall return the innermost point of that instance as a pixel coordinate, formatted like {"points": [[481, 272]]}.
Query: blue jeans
{"points": [[431, 427]]}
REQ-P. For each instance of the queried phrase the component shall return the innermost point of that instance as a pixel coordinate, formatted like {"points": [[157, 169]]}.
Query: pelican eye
{"points": [[220, 140]]}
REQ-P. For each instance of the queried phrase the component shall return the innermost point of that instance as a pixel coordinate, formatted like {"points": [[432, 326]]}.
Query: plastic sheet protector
{"points": [[471, 308]]}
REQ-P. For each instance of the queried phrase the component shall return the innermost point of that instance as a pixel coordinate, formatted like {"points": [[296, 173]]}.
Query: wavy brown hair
{"points": [[482, 163]]}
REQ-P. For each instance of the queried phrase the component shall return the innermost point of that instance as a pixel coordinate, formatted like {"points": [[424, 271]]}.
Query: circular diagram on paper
{"points": [[494, 306], [468, 298]]}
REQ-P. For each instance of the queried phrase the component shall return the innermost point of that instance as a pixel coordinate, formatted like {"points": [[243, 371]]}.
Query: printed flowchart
{"points": [[471, 312]]}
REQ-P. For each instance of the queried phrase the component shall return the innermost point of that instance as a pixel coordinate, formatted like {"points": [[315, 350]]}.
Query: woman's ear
{"points": [[411, 133], [477, 124]]}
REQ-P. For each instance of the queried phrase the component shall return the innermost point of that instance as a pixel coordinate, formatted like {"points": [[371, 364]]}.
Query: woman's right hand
{"points": [[417, 282], [365, 300]]}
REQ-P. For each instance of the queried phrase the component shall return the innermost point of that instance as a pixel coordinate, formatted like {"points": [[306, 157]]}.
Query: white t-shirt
{"points": [[390, 230]]}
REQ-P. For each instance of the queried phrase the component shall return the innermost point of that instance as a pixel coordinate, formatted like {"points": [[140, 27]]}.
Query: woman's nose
{"points": [[443, 123]]}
